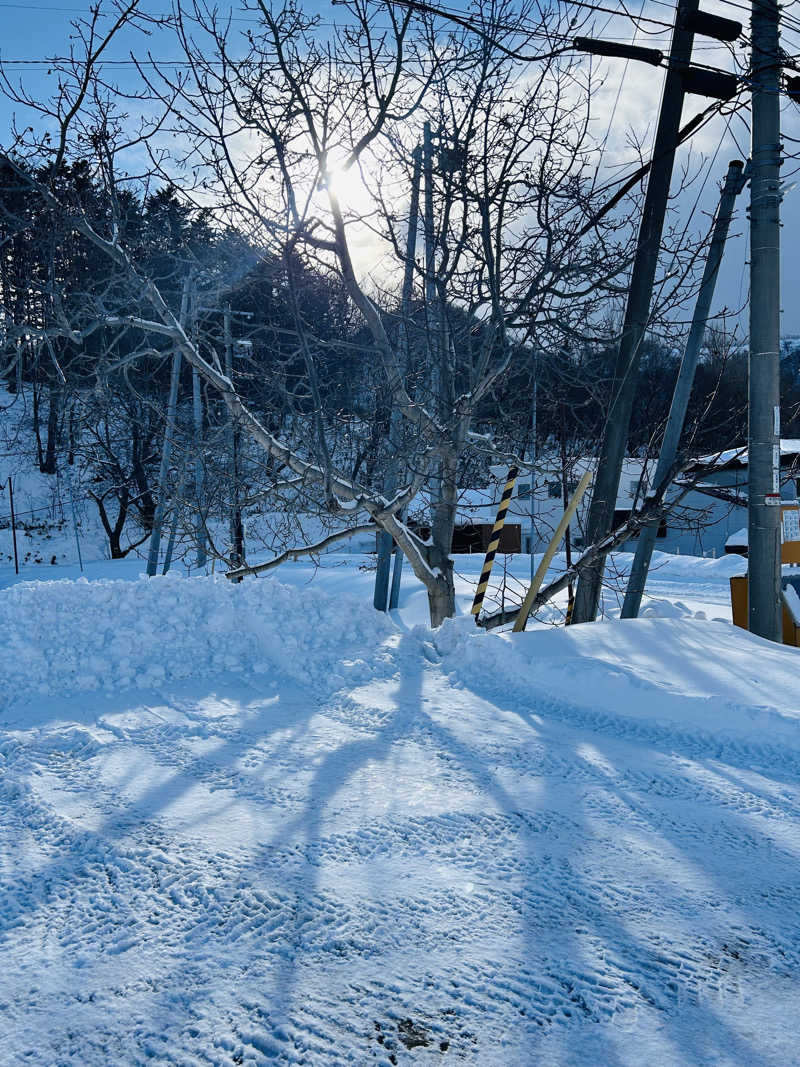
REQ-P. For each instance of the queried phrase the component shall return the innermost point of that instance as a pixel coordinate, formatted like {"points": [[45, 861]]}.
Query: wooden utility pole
{"points": [[764, 430], [734, 183], [408, 287], [532, 505], [565, 501], [681, 78], [430, 270], [615, 435]]}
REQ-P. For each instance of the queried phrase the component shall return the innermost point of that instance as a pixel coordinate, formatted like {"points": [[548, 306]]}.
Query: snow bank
{"points": [[669, 609], [65, 637], [693, 569], [707, 679], [550, 876]]}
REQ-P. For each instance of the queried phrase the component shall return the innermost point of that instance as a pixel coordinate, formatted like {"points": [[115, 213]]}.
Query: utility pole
{"points": [[71, 491], [434, 376], [764, 431], [397, 574], [232, 437], [734, 183], [396, 419], [68, 473], [565, 501], [680, 79], [166, 447]]}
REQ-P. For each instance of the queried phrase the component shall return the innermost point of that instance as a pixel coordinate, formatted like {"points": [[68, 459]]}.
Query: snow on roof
{"points": [[550, 464], [478, 506], [737, 457], [475, 506]]}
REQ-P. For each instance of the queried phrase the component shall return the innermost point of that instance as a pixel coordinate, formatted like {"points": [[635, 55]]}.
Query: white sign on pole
{"points": [[791, 524]]}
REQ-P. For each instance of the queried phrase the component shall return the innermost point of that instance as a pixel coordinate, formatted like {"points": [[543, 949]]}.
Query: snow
{"points": [[792, 601], [262, 823], [67, 637], [789, 446]]}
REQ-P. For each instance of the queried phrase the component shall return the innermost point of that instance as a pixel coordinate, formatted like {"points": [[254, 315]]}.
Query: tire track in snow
{"points": [[488, 929]]}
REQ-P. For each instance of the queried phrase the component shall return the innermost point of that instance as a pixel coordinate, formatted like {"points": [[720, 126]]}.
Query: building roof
{"points": [[736, 458], [477, 506]]}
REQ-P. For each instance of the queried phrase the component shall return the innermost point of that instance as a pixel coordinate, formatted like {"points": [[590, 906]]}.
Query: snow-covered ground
{"points": [[262, 823]]}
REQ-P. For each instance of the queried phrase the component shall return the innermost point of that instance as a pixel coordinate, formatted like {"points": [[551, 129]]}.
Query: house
{"points": [[708, 521], [477, 508], [730, 480], [708, 516], [475, 516]]}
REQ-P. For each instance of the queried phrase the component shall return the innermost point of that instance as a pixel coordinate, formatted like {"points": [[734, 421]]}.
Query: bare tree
{"points": [[271, 124]]}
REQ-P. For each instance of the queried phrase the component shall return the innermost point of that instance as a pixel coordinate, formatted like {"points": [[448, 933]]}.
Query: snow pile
{"points": [[569, 846], [669, 609], [691, 569], [706, 679], [66, 637]]}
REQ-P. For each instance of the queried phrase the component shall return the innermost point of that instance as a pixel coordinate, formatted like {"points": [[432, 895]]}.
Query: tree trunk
{"points": [[442, 594], [71, 438], [114, 533], [49, 465], [36, 422], [115, 546], [147, 504]]}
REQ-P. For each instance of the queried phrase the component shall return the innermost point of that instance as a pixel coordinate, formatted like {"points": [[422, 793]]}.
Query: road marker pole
{"points": [[494, 541]]}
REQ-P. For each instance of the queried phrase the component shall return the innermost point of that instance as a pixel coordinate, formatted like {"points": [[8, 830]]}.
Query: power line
{"points": [[163, 15], [50, 61], [46, 7], [54, 60], [622, 14], [617, 98]]}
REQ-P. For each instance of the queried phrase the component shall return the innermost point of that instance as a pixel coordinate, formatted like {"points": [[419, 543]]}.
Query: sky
{"points": [[627, 104]]}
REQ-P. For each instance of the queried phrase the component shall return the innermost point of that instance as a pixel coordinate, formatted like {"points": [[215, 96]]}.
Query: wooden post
{"points": [[547, 559]]}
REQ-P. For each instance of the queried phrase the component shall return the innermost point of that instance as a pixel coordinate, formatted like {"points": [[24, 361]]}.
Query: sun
{"points": [[349, 189]]}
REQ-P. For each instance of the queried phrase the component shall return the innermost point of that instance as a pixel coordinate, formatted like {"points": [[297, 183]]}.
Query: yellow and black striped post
{"points": [[494, 541]]}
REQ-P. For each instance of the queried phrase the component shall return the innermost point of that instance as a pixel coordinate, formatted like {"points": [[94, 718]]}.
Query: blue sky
{"points": [[34, 31]]}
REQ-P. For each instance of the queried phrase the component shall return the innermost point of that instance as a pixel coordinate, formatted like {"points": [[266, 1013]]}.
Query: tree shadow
{"points": [[553, 899], [671, 979]]}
